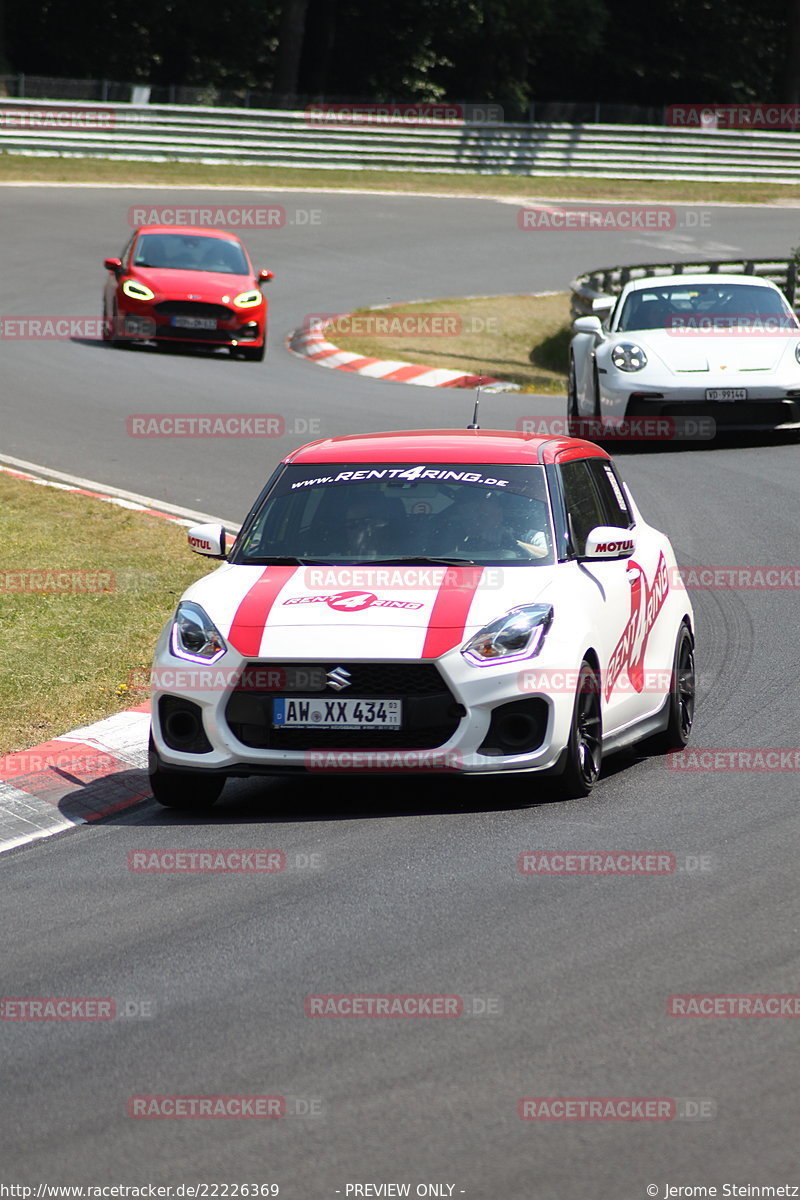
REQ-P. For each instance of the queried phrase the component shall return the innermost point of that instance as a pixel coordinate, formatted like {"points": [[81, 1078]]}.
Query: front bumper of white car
{"points": [[766, 406], [456, 717]]}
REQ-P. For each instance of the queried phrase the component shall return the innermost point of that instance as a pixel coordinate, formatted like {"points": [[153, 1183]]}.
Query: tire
{"points": [[573, 416], [681, 698], [108, 334], [187, 790], [585, 745], [253, 353]]}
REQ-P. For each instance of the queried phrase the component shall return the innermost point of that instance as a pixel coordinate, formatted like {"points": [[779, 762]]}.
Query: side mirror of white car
{"points": [[208, 539], [608, 541], [587, 325]]}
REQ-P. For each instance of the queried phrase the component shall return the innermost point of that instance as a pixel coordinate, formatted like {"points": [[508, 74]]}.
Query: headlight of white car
{"points": [[195, 636], [137, 291], [518, 634], [248, 299], [627, 356], [797, 350]]}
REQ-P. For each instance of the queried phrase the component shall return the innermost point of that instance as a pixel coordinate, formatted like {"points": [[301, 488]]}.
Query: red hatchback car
{"points": [[180, 283]]}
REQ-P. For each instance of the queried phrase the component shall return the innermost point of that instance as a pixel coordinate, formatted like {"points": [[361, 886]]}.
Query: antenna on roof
{"points": [[475, 424]]}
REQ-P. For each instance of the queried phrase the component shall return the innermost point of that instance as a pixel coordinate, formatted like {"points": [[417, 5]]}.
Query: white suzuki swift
{"points": [[458, 600]]}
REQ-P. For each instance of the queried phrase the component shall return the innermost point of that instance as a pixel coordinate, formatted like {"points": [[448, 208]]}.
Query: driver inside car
{"points": [[487, 520]]}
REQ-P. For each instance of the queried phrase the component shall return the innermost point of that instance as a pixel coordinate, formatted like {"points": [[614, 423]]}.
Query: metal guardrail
{"points": [[277, 137], [592, 291]]}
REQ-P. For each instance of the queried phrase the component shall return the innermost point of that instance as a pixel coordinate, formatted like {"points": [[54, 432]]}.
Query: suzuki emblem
{"points": [[338, 679]]}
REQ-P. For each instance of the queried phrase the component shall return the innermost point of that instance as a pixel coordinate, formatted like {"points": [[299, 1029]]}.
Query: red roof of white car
{"points": [[446, 445]]}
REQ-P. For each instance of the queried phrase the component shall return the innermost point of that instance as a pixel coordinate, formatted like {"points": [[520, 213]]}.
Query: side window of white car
{"points": [[612, 498], [584, 509]]}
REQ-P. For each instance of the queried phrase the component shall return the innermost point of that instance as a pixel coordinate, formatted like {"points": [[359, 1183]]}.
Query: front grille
{"points": [[194, 308], [430, 712], [737, 412]]}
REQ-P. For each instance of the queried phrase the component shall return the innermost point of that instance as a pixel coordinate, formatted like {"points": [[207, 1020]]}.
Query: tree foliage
{"points": [[511, 52]]}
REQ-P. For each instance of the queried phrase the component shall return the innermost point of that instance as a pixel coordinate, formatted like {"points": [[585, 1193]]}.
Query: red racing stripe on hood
{"points": [[451, 609], [247, 627]]}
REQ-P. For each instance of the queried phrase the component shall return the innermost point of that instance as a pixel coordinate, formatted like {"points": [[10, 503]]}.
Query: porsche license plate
{"points": [[194, 322], [726, 393], [336, 714]]}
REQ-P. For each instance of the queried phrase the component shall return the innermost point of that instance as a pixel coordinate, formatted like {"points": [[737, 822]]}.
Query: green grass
{"points": [[524, 339], [35, 169], [73, 657]]}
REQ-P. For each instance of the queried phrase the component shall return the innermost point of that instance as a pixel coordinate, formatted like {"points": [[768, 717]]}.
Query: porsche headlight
{"points": [[195, 636], [519, 634], [248, 299], [627, 356], [137, 291]]}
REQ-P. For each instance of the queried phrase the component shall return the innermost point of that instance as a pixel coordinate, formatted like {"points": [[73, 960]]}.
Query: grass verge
{"points": [[73, 656], [524, 339], [23, 168]]}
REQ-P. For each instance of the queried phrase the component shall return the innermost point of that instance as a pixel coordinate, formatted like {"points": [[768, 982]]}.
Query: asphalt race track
{"points": [[415, 886]]}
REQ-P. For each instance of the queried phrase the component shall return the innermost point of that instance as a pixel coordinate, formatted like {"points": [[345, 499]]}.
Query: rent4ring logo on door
{"points": [[646, 603], [352, 601]]}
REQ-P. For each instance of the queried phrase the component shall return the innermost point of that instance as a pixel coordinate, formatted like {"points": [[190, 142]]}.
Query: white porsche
{"points": [[460, 600], [706, 352]]}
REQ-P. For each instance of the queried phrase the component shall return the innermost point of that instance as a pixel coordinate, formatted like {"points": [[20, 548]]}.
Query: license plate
{"points": [[336, 714], [726, 393], [194, 322]]}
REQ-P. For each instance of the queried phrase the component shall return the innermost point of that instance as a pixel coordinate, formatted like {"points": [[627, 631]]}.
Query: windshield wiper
{"points": [[417, 560]]}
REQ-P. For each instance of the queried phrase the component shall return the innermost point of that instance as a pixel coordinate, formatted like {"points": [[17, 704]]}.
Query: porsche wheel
{"points": [[573, 416], [585, 746]]}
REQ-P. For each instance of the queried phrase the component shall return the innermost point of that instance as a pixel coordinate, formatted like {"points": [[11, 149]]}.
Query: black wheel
{"points": [[585, 746], [253, 353], [596, 389], [573, 416], [188, 790], [681, 698], [111, 330]]}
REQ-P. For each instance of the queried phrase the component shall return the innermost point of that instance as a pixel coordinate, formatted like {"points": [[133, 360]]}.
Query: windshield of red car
{"points": [[372, 512], [183, 252]]}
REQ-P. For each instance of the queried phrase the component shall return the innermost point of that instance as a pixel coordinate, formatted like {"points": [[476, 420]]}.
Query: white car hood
{"points": [[386, 612], [683, 352]]}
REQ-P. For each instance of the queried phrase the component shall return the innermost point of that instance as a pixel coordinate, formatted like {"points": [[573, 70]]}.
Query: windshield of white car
{"points": [[185, 252], [447, 513], [707, 308]]}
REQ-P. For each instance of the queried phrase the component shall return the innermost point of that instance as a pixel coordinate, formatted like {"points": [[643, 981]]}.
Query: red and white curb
{"points": [[313, 345], [79, 777], [99, 769]]}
